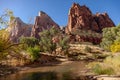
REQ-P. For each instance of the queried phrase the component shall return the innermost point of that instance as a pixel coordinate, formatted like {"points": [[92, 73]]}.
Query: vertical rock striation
{"points": [[42, 22], [80, 17]]}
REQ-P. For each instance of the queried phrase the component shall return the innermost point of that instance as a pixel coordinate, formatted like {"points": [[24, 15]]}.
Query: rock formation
{"points": [[80, 17], [18, 29], [79, 38], [42, 22], [80, 21]]}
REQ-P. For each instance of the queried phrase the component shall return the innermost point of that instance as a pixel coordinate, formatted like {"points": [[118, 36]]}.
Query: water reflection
{"points": [[40, 76], [65, 71]]}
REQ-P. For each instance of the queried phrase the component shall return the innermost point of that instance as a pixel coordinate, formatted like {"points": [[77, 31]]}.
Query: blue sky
{"points": [[58, 9]]}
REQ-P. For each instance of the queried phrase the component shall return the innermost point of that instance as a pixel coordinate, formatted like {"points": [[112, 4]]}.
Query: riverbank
{"points": [[6, 70], [76, 69], [65, 67]]}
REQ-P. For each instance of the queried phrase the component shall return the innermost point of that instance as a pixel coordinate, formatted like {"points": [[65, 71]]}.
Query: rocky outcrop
{"points": [[80, 17], [42, 22], [79, 38], [18, 29], [103, 21]]}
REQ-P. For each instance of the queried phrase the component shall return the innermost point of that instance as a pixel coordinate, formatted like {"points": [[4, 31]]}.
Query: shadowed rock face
{"points": [[80, 17], [18, 29], [42, 22], [78, 38]]}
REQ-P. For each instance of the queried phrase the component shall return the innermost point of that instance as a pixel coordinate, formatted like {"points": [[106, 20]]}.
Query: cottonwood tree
{"points": [[6, 18]]}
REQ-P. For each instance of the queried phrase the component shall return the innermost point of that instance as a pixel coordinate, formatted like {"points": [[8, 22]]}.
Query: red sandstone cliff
{"points": [[42, 22], [80, 17], [18, 29]]}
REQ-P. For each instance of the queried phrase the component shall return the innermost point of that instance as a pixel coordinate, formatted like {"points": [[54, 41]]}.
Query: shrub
{"points": [[101, 70], [28, 42], [34, 52], [6, 46], [64, 44], [49, 39], [110, 35], [111, 65], [115, 47]]}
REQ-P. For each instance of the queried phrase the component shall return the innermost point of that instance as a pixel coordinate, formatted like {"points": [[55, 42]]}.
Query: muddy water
{"points": [[64, 71]]}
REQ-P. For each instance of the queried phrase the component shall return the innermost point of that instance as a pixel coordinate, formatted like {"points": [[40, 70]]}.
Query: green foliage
{"points": [[101, 70], [34, 52], [64, 43], [28, 42], [6, 46], [115, 47], [83, 33], [31, 45], [46, 40], [110, 35], [51, 39], [6, 18], [111, 65]]}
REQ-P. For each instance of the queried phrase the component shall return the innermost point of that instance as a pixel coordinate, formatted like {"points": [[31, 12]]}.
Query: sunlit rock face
{"points": [[18, 29], [80, 17], [42, 22]]}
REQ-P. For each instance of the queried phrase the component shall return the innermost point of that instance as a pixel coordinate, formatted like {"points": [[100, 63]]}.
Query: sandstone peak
{"points": [[76, 8], [80, 17], [41, 13], [81, 21], [42, 22], [18, 29]]}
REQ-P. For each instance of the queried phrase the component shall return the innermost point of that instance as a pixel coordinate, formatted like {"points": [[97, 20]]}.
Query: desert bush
{"points": [[64, 44], [31, 45], [34, 52], [110, 35], [28, 42], [46, 40], [111, 65], [52, 39], [83, 33], [115, 47], [102, 70]]}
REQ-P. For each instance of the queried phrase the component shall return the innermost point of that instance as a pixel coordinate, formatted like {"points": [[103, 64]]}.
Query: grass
{"points": [[102, 70], [110, 65]]}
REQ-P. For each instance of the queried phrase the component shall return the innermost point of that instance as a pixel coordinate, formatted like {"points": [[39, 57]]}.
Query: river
{"points": [[63, 71]]}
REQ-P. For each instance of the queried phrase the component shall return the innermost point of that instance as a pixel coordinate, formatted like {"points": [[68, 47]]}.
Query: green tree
{"points": [[31, 45], [34, 52], [28, 42], [46, 39], [64, 44], [52, 39], [6, 18], [109, 36], [6, 46]]}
